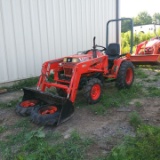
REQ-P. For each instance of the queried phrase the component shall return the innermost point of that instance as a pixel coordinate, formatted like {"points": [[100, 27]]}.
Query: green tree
{"points": [[125, 26], [142, 18], [156, 18]]}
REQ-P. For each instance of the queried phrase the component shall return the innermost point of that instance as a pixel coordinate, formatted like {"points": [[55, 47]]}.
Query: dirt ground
{"points": [[107, 130]]}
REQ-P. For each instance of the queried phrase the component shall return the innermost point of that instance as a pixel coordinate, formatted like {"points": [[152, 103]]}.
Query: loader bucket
{"points": [[64, 105]]}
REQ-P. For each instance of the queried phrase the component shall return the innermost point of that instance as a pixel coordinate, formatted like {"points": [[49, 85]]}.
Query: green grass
{"points": [[37, 145], [145, 145], [23, 83], [118, 98], [139, 73], [157, 74], [134, 119], [153, 92], [155, 79], [113, 97], [23, 123], [30, 82], [10, 104], [3, 129], [138, 104], [26, 142]]}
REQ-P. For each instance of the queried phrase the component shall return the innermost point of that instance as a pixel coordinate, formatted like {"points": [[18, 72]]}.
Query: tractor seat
{"points": [[113, 51]]}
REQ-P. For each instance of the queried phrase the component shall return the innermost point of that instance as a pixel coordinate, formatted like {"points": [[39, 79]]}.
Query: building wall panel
{"points": [[9, 39], [3, 63], [34, 31], [28, 38]]}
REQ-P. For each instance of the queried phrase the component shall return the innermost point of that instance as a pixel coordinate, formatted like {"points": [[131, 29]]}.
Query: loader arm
{"points": [[99, 65], [47, 67]]}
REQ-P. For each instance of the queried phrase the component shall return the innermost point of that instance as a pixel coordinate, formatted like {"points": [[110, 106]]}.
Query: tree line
{"points": [[143, 18]]}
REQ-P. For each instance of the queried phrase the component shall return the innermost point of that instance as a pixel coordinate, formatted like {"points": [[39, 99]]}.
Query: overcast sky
{"points": [[131, 8]]}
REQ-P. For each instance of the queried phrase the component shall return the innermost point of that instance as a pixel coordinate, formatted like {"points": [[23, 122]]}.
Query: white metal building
{"points": [[33, 31]]}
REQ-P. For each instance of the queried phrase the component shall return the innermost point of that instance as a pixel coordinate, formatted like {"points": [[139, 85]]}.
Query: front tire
{"points": [[93, 90], [25, 107], [45, 115], [125, 75]]}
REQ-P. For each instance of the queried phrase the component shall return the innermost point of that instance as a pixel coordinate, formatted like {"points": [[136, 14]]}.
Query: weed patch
{"points": [[153, 92], [35, 145], [117, 98], [23, 83], [145, 145], [157, 74], [139, 73], [10, 104], [2, 129], [135, 120], [138, 104], [112, 97], [23, 123], [152, 80]]}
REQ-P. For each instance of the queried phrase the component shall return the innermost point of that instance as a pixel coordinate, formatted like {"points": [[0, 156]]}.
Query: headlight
{"points": [[65, 60], [74, 60]]}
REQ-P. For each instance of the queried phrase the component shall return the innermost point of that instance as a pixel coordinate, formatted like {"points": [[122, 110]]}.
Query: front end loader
{"points": [[86, 70]]}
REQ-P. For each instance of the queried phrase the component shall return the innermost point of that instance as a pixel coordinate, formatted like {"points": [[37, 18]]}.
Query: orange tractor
{"points": [[147, 52], [85, 70]]}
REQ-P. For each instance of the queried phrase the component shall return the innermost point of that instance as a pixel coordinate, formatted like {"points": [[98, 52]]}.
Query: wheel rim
{"points": [[29, 103], [129, 76], [48, 110], [95, 91]]}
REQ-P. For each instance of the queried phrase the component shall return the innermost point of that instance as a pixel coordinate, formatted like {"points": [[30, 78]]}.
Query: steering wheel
{"points": [[103, 48], [94, 47]]}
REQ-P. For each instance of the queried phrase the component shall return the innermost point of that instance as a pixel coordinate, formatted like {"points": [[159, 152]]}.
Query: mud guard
{"points": [[64, 105]]}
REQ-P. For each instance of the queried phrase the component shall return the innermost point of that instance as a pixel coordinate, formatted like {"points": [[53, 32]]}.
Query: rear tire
{"points": [[93, 90], [25, 107], [42, 115], [125, 76]]}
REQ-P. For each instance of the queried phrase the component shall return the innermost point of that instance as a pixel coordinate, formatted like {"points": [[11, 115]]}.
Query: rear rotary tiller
{"points": [[147, 53]]}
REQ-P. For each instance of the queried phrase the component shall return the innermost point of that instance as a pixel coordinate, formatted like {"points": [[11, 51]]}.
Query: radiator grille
{"points": [[68, 71]]}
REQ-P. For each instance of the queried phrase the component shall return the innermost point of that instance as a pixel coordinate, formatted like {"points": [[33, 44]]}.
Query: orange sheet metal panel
{"points": [[145, 59]]}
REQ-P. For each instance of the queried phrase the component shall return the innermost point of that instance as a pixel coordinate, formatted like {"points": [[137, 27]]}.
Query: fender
{"points": [[117, 65]]}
